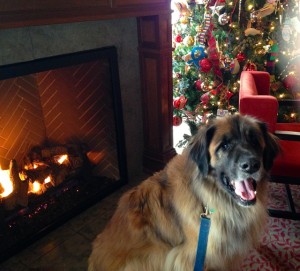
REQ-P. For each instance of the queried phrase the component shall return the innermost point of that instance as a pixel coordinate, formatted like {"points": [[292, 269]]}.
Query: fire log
{"points": [[19, 196]]}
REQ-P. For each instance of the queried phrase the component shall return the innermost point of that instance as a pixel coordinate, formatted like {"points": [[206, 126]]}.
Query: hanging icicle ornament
{"points": [[240, 10], [207, 22]]}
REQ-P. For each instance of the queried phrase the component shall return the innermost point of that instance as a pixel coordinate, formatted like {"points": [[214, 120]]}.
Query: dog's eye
{"points": [[225, 146]]}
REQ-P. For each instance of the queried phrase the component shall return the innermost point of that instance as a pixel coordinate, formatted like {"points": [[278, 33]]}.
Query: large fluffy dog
{"points": [[156, 224]]}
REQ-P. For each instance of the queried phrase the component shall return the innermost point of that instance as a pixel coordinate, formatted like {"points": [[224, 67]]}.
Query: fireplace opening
{"points": [[62, 144]]}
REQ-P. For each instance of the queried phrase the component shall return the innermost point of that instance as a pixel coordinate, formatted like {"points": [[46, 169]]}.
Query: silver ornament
{"points": [[223, 19]]}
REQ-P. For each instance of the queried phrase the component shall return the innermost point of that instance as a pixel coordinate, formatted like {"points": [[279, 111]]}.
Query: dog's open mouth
{"points": [[243, 191]]}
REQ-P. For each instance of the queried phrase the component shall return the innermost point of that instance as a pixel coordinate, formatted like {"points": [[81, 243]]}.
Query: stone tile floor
{"points": [[68, 247]]}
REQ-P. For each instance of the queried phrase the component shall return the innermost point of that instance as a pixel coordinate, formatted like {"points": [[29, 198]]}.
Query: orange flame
{"points": [[36, 187], [6, 183], [47, 180], [62, 158]]}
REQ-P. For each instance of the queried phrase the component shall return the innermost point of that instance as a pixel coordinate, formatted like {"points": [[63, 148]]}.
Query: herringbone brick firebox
{"points": [[62, 143]]}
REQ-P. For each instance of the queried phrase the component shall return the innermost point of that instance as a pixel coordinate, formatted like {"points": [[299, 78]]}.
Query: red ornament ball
{"points": [[178, 75], [229, 95], [214, 56], [179, 102], [198, 84], [275, 86], [205, 98], [178, 38], [205, 65], [250, 66], [241, 57], [290, 82], [177, 120]]}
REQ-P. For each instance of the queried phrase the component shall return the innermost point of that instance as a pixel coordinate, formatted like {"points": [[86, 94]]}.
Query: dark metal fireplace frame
{"points": [[44, 64]]}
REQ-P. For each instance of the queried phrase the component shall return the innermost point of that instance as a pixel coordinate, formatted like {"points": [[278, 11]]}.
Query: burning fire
{"points": [[47, 180], [5, 183], [37, 188], [62, 158]]}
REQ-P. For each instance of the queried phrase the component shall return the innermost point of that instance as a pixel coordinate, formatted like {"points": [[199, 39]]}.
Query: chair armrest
{"points": [[263, 107]]}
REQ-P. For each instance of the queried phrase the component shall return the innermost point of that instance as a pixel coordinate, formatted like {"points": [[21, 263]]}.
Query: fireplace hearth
{"points": [[62, 144]]}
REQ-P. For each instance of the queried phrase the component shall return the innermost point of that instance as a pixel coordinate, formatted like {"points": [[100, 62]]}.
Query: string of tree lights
{"points": [[215, 40]]}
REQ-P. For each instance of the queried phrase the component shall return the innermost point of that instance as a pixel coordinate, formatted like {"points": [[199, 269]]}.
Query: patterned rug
{"points": [[280, 244]]}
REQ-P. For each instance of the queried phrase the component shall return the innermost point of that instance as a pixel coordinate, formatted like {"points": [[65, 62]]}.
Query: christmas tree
{"points": [[215, 40]]}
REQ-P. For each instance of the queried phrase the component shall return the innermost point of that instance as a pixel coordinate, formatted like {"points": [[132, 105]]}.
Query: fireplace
{"points": [[61, 141]]}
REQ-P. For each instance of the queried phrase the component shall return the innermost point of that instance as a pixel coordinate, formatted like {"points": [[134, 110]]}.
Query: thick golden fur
{"points": [[156, 224]]}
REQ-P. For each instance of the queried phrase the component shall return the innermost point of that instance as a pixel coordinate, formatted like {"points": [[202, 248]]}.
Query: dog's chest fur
{"points": [[234, 229]]}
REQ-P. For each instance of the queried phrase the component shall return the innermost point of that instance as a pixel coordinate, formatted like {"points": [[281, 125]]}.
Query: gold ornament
{"points": [[266, 10], [182, 8], [188, 41], [205, 86], [187, 57], [260, 51], [184, 20], [252, 32], [199, 28]]}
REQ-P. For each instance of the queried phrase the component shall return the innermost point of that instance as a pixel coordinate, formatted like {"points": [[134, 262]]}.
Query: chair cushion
{"points": [[288, 163]]}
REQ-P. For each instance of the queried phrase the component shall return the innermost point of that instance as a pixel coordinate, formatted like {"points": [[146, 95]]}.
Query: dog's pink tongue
{"points": [[245, 189]]}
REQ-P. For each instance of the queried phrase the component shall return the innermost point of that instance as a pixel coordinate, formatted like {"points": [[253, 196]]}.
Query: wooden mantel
{"points": [[155, 53]]}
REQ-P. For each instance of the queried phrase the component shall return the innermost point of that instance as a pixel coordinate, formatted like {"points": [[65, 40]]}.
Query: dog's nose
{"points": [[249, 165]]}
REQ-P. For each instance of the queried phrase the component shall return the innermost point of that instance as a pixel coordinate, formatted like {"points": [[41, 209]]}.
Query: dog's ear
{"points": [[272, 148], [199, 148]]}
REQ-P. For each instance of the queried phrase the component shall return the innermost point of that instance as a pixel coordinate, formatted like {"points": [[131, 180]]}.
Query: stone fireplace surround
{"points": [[141, 32], [28, 43]]}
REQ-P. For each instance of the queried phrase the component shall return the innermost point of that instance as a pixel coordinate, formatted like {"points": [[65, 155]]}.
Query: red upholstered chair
{"points": [[255, 100]]}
